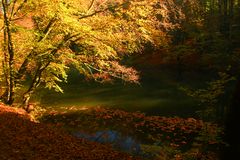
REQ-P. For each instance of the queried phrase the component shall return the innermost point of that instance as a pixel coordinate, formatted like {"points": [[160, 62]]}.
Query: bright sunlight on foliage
{"points": [[42, 39]]}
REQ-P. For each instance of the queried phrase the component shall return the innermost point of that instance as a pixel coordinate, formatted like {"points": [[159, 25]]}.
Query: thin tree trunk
{"points": [[231, 8], [5, 95], [10, 53]]}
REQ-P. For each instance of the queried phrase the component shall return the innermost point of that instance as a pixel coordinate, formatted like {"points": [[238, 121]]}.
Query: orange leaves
{"points": [[175, 130], [23, 139], [107, 117]]}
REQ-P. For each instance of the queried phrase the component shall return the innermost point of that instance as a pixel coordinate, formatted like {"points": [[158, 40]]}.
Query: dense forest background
{"points": [[53, 44]]}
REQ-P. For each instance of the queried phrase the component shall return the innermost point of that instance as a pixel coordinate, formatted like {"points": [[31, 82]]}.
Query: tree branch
{"points": [[24, 65], [47, 29], [12, 10], [20, 7], [104, 10], [91, 6]]}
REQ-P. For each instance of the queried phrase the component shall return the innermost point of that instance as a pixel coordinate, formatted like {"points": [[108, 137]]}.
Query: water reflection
{"points": [[117, 140]]}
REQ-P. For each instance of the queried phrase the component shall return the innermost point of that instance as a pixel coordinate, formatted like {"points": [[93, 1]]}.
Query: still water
{"points": [[116, 139], [157, 94]]}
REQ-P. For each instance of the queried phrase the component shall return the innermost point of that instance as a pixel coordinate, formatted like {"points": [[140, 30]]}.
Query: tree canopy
{"points": [[41, 39]]}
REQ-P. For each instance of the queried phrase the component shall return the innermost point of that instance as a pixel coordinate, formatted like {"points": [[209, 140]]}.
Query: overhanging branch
{"points": [[104, 10]]}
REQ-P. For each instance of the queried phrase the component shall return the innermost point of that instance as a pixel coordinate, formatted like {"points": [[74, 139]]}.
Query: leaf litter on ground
{"points": [[23, 139]]}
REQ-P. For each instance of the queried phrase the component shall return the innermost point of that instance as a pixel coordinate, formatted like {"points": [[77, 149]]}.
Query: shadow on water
{"points": [[157, 94], [151, 97]]}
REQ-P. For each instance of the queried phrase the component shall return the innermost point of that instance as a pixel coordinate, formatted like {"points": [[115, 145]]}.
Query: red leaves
{"points": [[175, 130], [23, 139]]}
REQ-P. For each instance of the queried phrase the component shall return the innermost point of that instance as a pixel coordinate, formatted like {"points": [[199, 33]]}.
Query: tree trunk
{"points": [[34, 84], [232, 123], [41, 66], [9, 55], [179, 68]]}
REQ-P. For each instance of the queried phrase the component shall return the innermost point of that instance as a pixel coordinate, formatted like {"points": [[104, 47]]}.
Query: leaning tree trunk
{"points": [[34, 84], [41, 66]]}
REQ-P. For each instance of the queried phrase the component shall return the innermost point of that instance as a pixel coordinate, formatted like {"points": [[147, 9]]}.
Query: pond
{"points": [[153, 96], [120, 142], [156, 95], [116, 139]]}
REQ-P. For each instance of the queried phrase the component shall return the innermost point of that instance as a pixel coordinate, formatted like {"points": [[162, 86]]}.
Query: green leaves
{"points": [[212, 93], [103, 31], [55, 73]]}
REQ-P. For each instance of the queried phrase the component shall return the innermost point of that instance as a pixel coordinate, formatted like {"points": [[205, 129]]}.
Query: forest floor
{"points": [[162, 138], [23, 139], [149, 137]]}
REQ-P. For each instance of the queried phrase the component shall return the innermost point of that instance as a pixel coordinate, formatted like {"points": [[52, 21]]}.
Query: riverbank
{"points": [[149, 137], [22, 138]]}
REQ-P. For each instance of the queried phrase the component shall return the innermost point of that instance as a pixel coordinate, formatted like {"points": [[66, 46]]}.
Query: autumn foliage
{"points": [[22, 138], [177, 131], [168, 136]]}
